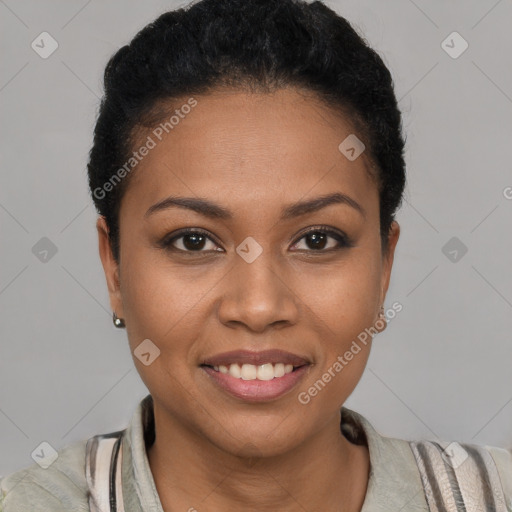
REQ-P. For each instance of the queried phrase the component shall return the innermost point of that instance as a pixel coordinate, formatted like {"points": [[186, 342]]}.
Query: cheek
{"points": [[341, 303], [160, 307], [344, 296], [162, 303], [342, 308]]}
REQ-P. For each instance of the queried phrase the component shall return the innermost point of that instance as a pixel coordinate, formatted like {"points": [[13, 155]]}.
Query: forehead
{"points": [[237, 147]]}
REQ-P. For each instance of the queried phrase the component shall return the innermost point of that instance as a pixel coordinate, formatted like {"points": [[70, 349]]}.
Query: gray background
{"points": [[441, 370]]}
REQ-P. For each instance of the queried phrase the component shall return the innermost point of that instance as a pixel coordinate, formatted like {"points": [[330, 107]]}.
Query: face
{"points": [[257, 282]]}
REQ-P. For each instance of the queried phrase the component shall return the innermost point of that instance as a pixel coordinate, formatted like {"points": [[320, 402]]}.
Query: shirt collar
{"points": [[394, 481]]}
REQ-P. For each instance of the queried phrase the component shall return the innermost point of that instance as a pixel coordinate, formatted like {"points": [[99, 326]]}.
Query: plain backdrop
{"points": [[441, 370]]}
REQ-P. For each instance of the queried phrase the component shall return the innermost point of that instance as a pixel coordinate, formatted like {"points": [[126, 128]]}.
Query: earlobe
{"points": [[381, 323]]}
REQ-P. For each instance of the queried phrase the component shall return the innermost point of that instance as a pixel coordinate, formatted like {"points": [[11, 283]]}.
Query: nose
{"points": [[258, 295]]}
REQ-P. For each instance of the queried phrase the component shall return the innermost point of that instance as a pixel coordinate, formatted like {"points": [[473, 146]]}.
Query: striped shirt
{"points": [[404, 476]]}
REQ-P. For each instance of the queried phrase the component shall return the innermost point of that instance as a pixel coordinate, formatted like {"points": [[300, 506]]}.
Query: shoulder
{"points": [[464, 472], [446, 471], [502, 457], [61, 487]]}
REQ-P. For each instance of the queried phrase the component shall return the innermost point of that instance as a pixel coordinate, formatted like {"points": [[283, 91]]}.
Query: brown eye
{"points": [[317, 240], [324, 240], [189, 241]]}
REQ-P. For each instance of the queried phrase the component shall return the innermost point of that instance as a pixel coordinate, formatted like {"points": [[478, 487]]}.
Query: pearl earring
{"points": [[118, 322]]}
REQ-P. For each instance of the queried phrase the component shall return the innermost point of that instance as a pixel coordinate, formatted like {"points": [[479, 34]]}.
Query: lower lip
{"points": [[257, 390]]}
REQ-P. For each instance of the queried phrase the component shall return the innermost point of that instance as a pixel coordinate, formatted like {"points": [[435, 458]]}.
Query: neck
{"points": [[190, 472]]}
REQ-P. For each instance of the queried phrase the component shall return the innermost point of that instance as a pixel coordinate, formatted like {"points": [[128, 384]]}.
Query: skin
{"points": [[252, 154]]}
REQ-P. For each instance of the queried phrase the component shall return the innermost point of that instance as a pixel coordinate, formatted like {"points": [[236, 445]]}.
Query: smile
{"points": [[247, 371], [256, 376]]}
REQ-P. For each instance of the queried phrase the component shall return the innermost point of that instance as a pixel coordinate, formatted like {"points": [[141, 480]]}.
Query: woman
{"points": [[247, 165]]}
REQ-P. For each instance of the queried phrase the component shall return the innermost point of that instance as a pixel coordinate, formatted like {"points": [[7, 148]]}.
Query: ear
{"points": [[110, 267], [393, 235]]}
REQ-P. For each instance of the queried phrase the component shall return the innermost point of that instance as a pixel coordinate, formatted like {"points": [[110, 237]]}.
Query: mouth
{"points": [[256, 376], [248, 372]]}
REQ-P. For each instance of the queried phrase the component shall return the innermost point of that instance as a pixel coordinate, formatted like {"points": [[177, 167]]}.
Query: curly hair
{"points": [[256, 45]]}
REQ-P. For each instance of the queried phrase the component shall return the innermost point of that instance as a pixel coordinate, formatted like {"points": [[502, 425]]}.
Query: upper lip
{"points": [[255, 358]]}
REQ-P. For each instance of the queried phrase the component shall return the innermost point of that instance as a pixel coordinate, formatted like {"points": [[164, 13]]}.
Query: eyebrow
{"points": [[214, 211]]}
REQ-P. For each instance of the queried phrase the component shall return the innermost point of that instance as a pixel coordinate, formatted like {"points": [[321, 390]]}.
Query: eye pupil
{"points": [[316, 237], [315, 240], [197, 241]]}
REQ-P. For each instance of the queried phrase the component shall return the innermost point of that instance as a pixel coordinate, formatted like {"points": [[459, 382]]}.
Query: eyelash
{"points": [[343, 241]]}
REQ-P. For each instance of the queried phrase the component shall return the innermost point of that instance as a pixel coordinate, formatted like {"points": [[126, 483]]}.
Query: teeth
{"points": [[234, 371], [267, 371], [279, 370], [249, 372]]}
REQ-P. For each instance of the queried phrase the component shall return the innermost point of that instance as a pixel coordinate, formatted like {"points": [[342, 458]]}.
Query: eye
{"points": [[189, 240], [317, 239], [196, 240]]}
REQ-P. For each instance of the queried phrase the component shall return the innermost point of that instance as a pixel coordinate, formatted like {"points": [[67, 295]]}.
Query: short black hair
{"points": [[260, 45]]}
